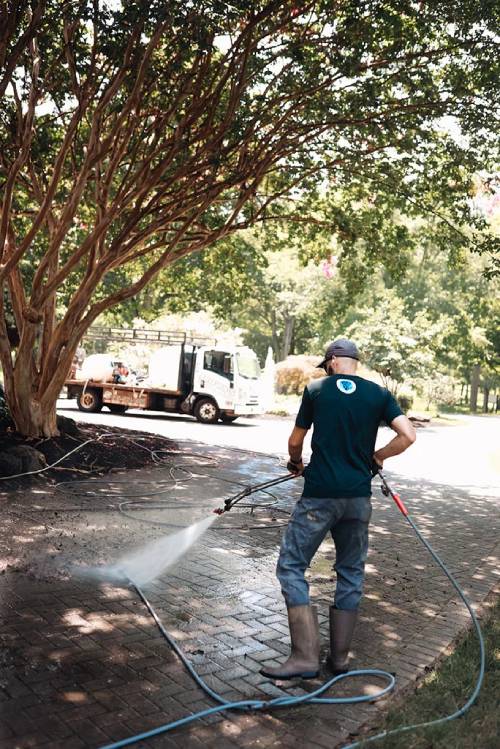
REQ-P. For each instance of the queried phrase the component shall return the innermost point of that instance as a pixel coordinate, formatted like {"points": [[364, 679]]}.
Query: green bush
{"points": [[439, 389], [293, 374]]}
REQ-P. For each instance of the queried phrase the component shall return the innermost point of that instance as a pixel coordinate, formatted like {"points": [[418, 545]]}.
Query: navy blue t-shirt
{"points": [[345, 411]]}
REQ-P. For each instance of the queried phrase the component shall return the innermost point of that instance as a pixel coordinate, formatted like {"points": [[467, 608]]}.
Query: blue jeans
{"points": [[347, 520]]}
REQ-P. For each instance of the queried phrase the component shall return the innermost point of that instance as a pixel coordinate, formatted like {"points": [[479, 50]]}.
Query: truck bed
{"points": [[132, 396], [133, 388]]}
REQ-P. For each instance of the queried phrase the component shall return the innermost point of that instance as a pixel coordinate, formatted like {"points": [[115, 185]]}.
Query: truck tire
{"points": [[117, 408], [206, 411], [89, 401], [228, 419]]}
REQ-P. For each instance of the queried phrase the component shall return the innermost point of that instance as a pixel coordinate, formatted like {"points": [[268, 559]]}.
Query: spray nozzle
{"points": [[228, 503]]}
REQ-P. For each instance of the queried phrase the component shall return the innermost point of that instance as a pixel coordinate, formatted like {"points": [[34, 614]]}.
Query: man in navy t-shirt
{"points": [[345, 411]]}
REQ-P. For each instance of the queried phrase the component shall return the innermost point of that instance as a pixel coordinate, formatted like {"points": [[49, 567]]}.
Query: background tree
{"points": [[223, 279], [260, 281], [148, 131], [399, 349], [462, 300], [428, 321], [286, 292]]}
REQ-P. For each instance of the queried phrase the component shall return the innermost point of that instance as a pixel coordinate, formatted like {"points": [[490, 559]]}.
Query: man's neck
{"points": [[342, 366], [345, 371]]}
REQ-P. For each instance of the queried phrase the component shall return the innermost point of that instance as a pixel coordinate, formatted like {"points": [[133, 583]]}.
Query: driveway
{"points": [[82, 663]]}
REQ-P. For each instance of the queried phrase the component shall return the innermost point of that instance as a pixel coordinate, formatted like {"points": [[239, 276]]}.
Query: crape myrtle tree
{"points": [[135, 133]]}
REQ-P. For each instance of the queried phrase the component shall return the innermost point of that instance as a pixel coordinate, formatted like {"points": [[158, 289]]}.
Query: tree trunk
{"points": [[287, 337], [474, 386], [275, 338], [32, 406], [34, 418], [486, 397]]}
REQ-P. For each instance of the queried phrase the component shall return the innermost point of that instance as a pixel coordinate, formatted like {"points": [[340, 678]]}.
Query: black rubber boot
{"points": [[303, 661], [342, 625]]}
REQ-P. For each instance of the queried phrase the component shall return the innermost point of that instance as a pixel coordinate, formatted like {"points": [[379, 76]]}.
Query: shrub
{"points": [[405, 401], [439, 389], [293, 374]]}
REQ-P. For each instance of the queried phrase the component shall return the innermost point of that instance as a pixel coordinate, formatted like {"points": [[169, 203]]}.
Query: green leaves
{"points": [[399, 349], [135, 135]]}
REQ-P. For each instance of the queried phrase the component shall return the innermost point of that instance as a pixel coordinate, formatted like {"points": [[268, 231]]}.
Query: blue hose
{"points": [[246, 705], [315, 696], [482, 655]]}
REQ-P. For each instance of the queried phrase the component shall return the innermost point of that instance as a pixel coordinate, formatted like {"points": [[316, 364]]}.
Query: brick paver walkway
{"points": [[83, 664]]}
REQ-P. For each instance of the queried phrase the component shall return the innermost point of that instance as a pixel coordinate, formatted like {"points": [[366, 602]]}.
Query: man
{"points": [[120, 373], [345, 411]]}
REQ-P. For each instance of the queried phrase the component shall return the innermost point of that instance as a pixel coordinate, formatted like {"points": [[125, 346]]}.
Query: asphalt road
{"points": [[465, 454]]}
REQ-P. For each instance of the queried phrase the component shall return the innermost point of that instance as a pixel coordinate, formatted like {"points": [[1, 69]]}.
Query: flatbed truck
{"points": [[211, 383]]}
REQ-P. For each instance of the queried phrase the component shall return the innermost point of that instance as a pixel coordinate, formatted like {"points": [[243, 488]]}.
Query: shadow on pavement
{"points": [[83, 661]]}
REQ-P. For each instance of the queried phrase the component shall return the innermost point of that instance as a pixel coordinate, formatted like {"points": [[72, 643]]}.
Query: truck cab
{"points": [[226, 383]]}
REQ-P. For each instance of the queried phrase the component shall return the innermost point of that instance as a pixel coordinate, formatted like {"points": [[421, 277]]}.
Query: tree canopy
{"points": [[135, 134]]}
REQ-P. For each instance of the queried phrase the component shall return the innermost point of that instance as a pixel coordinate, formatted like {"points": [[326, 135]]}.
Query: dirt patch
{"points": [[90, 450]]}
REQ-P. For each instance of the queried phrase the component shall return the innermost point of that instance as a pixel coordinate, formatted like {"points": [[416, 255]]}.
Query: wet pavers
{"points": [[82, 663]]}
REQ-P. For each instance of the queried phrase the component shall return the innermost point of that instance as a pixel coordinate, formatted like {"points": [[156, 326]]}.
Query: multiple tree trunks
{"points": [[135, 134]]}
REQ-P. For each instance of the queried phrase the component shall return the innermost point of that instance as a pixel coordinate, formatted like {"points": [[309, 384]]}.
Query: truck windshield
{"points": [[248, 366]]}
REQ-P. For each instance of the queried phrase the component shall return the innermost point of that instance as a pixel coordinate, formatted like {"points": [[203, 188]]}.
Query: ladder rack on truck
{"points": [[140, 335]]}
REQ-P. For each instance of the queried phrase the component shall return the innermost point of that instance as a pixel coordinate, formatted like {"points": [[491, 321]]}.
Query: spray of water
{"points": [[150, 561]]}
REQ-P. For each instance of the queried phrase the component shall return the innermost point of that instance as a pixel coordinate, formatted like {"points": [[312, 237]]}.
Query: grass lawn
{"points": [[447, 689]]}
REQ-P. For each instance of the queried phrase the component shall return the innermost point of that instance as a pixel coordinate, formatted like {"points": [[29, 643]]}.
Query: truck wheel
{"points": [[117, 408], [206, 411], [89, 401], [228, 419]]}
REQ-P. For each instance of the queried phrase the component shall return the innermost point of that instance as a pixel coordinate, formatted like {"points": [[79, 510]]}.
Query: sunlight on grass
{"points": [[445, 690]]}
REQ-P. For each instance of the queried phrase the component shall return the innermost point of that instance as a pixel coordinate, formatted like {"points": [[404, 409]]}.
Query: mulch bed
{"points": [[113, 452]]}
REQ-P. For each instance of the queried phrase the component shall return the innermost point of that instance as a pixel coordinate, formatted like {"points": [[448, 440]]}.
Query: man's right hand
{"points": [[296, 468], [377, 464], [405, 436]]}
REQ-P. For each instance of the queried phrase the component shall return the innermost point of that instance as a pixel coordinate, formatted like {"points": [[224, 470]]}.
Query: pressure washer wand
{"points": [[231, 501]]}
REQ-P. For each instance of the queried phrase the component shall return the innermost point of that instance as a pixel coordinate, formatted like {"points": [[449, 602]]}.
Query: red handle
{"points": [[399, 503]]}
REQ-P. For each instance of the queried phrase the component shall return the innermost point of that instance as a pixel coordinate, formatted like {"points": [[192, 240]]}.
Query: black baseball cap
{"points": [[340, 347]]}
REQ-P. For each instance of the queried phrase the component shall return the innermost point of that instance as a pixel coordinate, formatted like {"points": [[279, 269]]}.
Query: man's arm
{"points": [[295, 442], [405, 436]]}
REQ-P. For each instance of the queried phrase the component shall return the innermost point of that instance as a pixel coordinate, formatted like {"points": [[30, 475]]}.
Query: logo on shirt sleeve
{"points": [[346, 386]]}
